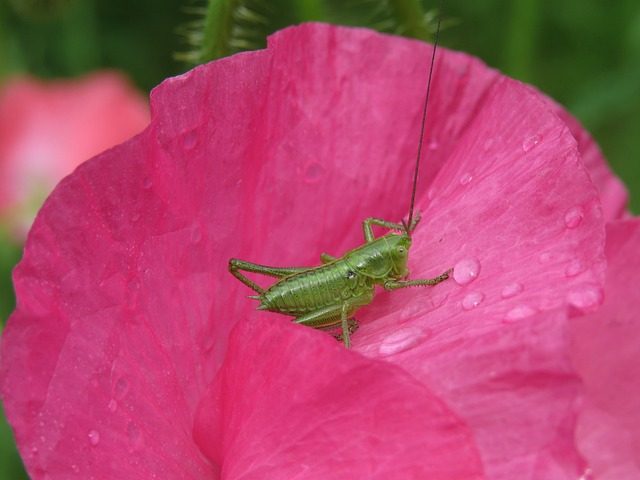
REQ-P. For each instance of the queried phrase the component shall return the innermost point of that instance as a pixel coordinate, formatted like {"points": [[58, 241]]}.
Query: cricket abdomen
{"points": [[318, 287]]}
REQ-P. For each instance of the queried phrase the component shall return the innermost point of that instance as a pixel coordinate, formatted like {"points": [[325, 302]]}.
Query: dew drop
{"points": [[531, 141], [313, 172], [587, 474], [466, 271], [94, 437], [190, 139], [518, 313], [147, 183], [586, 297], [573, 217], [121, 388], [196, 235], [134, 435], [113, 405], [401, 340], [544, 257], [463, 76], [512, 290], [433, 144], [465, 178], [412, 310], [472, 300], [576, 267], [597, 212], [75, 468], [133, 287]]}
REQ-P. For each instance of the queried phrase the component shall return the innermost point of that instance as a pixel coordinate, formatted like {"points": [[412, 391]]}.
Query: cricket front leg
{"points": [[395, 284], [368, 229]]}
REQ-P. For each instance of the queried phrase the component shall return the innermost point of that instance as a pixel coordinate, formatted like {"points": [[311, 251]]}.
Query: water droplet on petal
{"points": [[518, 313], [411, 310], [94, 437], [401, 340], [121, 388], [113, 405], [465, 178], [531, 141], [133, 286], [573, 217], [75, 468], [313, 172], [463, 77], [587, 474], [586, 297], [472, 300], [544, 257], [576, 267], [147, 182], [597, 212], [466, 271], [196, 235], [190, 139], [134, 435], [512, 290], [433, 144]]}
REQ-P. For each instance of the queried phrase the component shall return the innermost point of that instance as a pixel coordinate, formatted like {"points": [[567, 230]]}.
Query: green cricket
{"points": [[327, 296]]}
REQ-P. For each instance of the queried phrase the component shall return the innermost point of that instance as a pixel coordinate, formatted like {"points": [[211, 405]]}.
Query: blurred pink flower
{"points": [[49, 128], [133, 353]]}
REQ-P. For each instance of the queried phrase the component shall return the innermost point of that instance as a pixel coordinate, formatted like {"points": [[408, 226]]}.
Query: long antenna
{"points": [[409, 226]]}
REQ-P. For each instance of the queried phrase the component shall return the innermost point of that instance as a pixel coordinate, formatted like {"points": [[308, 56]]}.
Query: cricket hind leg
{"points": [[236, 266], [352, 326], [326, 316], [326, 258]]}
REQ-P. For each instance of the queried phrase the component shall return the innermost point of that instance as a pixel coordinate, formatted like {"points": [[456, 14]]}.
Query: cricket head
{"points": [[397, 250]]}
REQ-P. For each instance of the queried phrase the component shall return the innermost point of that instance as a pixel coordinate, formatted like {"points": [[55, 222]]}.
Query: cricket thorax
{"points": [[383, 259]]}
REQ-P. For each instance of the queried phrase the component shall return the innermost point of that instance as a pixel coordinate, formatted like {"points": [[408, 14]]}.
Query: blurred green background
{"points": [[583, 53]]}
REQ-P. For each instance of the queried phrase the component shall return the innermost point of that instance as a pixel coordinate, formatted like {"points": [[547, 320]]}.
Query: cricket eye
{"points": [[401, 251]]}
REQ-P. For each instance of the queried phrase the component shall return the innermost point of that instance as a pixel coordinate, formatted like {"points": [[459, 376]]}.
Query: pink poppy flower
{"points": [[47, 129], [134, 353]]}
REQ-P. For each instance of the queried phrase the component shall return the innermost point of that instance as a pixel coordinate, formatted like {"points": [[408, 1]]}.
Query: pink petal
{"points": [[292, 404], [606, 352]]}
